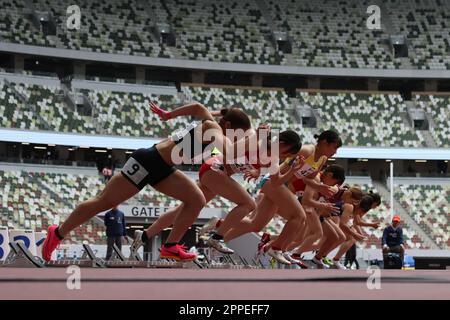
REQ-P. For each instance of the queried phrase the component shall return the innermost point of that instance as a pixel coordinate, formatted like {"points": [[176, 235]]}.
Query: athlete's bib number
{"points": [[135, 171], [304, 171]]}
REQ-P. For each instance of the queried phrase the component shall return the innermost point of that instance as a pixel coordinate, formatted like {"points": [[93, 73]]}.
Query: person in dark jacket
{"points": [[115, 229], [392, 240], [350, 257]]}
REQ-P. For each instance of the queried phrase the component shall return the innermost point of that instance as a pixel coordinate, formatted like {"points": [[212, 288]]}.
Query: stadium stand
{"points": [[326, 35], [429, 206], [363, 119], [439, 109], [228, 32], [426, 24], [322, 34], [26, 204]]}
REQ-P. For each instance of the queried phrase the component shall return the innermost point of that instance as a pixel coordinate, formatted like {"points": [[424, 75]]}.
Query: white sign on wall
{"points": [[140, 211]]}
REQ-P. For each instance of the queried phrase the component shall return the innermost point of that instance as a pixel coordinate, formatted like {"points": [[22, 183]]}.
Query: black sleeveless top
{"points": [[191, 146]]}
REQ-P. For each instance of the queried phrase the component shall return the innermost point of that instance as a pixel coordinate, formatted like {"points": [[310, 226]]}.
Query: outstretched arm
{"points": [[357, 220], [309, 200], [194, 109], [343, 223]]}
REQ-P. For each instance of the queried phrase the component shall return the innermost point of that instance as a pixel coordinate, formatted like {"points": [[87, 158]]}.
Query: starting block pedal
{"points": [[89, 255], [117, 254], [21, 257], [135, 257]]}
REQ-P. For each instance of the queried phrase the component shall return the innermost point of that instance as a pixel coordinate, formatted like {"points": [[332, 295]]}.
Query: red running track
{"points": [[203, 284]]}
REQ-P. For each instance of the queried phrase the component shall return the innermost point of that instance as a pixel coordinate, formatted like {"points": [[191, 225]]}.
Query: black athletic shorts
{"points": [[145, 166]]}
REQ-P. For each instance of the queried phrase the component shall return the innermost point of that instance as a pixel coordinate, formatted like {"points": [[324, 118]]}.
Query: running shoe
{"points": [[289, 258], [50, 244], [220, 246], [327, 261], [278, 255], [300, 263], [177, 253], [338, 265], [319, 264], [209, 226]]}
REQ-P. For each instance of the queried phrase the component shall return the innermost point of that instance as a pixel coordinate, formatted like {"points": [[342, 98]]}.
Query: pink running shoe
{"points": [[50, 244], [177, 252]]}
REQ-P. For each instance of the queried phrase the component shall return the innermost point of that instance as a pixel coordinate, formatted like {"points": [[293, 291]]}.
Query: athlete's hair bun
{"points": [[316, 136]]}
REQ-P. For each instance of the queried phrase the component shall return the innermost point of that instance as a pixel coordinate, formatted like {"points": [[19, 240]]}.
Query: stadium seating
{"points": [[106, 26], [52, 114], [128, 114], [15, 114], [229, 32], [429, 206], [426, 25], [25, 204], [439, 109], [364, 119], [328, 35], [262, 105], [323, 34], [36, 107]]}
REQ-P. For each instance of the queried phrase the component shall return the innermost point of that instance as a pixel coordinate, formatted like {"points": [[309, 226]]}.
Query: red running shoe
{"points": [[50, 244], [301, 264], [177, 252]]}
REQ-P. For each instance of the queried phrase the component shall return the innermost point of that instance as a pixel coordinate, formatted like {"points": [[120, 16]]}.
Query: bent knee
{"points": [[319, 234], [196, 201]]}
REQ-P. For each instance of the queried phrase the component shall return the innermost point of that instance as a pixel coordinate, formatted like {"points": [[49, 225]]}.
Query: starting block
{"points": [[88, 260], [135, 257], [21, 257], [89, 255]]}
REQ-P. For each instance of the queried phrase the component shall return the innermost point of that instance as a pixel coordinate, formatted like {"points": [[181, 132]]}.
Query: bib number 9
{"points": [[134, 171]]}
